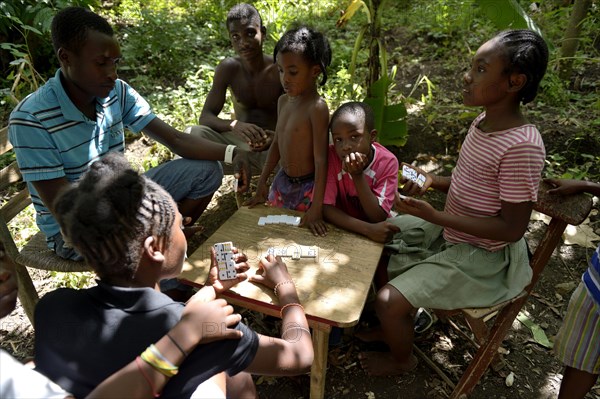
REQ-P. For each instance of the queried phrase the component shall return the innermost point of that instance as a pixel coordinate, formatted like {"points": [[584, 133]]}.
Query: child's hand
{"points": [[313, 219], [355, 163], [240, 267], [412, 188], [414, 207], [189, 229], [382, 232], [265, 144], [259, 198], [209, 321], [271, 271]]}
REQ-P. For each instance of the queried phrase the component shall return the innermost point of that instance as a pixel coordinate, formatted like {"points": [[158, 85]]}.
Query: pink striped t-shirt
{"points": [[494, 167]]}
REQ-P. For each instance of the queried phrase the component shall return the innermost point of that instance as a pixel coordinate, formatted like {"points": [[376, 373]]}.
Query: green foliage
{"points": [[75, 280]]}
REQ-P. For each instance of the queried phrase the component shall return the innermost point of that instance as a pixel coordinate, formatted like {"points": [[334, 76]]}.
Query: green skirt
{"points": [[433, 273]]}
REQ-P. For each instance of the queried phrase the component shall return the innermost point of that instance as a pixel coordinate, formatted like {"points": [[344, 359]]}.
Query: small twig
{"points": [[464, 334], [568, 268], [434, 366]]}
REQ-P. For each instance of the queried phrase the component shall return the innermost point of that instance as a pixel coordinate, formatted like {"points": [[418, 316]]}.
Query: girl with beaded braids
{"points": [[130, 232], [301, 135], [471, 254]]}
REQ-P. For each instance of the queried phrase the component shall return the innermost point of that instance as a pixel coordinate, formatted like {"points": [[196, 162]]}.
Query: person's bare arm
{"points": [[379, 232], [49, 189], [254, 135], [291, 354], [355, 164], [313, 218], [573, 186], [509, 225]]}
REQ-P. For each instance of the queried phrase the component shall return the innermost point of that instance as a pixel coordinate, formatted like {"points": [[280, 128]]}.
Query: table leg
{"points": [[318, 369]]}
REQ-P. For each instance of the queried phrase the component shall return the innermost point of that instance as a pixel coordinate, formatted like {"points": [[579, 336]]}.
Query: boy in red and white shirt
{"points": [[362, 175]]}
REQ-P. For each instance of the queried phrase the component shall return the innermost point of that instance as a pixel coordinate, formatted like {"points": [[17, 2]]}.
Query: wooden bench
{"points": [[35, 253], [563, 210]]}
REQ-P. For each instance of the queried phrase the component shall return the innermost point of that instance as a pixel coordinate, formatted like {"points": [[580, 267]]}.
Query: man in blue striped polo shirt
{"points": [[80, 114]]}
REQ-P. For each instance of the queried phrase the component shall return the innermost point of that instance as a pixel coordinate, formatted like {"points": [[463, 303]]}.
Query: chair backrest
{"points": [[18, 201]]}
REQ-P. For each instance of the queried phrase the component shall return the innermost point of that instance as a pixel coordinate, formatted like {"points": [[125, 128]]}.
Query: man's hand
{"points": [[213, 275], [254, 135], [265, 144], [313, 219], [241, 169], [355, 163], [382, 232]]}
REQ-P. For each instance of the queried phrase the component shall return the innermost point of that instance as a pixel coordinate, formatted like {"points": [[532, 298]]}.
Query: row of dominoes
{"points": [[413, 175], [279, 219], [225, 262], [294, 251]]}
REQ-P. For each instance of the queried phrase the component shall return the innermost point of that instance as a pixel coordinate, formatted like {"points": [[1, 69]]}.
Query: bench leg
{"points": [[27, 293], [319, 367]]}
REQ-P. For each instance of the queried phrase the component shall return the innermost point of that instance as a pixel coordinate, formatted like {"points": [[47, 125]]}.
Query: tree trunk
{"points": [[571, 38]]}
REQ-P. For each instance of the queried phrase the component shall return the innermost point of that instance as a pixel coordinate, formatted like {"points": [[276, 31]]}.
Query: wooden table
{"points": [[332, 287]]}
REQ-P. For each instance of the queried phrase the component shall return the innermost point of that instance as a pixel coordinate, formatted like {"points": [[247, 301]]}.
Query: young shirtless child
{"points": [[300, 143], [253, 83], [362, 175]]}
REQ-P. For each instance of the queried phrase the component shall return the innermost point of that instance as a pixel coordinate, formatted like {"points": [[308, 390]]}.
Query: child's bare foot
{"points": [[374, 334], [383, 363]]}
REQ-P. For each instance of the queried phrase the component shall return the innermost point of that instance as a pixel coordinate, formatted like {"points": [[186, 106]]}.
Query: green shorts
{"points": [[433, 273]]}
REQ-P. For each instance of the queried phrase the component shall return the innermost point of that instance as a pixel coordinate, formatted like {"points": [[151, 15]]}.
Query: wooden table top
{"points": [[332, 287]]}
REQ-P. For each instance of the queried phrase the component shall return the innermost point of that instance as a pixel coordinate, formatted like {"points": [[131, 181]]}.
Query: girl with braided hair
{"points": [[128, 229], [471, 254], [301, 135]]}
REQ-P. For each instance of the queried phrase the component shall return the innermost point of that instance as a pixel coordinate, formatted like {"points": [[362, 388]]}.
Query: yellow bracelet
{"points": [[287, 306], [162, 366], [295, 328]]}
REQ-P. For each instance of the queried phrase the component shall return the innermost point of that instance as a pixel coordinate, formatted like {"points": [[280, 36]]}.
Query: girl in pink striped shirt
{"points": [[471, 254]]}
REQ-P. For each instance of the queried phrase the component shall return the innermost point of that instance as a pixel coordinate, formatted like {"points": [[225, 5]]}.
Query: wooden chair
{"points": [[563, 211], [35, 253]]}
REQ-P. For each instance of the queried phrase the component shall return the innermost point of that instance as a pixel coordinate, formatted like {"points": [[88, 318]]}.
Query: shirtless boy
{"points": [[253, 83]]}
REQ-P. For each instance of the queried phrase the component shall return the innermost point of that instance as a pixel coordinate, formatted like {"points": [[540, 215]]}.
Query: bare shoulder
{"points": [[228, 67], [320, 107]]}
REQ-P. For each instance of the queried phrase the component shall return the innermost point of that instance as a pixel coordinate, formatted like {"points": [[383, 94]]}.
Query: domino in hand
{"points": [[412, 175], [225, 262]]}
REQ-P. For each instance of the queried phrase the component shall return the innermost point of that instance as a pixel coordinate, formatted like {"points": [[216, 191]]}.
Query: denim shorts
{"points": [[188, 178]]}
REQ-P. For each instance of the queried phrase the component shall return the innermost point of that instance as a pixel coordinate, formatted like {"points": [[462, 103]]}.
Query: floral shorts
{"points": [[291, 192]]}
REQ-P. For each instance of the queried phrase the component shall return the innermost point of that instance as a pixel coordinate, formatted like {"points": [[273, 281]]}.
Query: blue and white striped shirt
{"points": [[52, 138], [591, 277]]}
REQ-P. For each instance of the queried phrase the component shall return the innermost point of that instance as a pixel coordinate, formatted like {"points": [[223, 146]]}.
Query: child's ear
{"points": [[373, 135], [516, 82], [316, 71], [153, 250], [63, 56]]}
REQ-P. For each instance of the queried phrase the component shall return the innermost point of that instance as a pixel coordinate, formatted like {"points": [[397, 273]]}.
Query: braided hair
{"points": [[312, 45], [109, 213], [70, 27], [361, 110], [527, 53], [244, 12]]}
